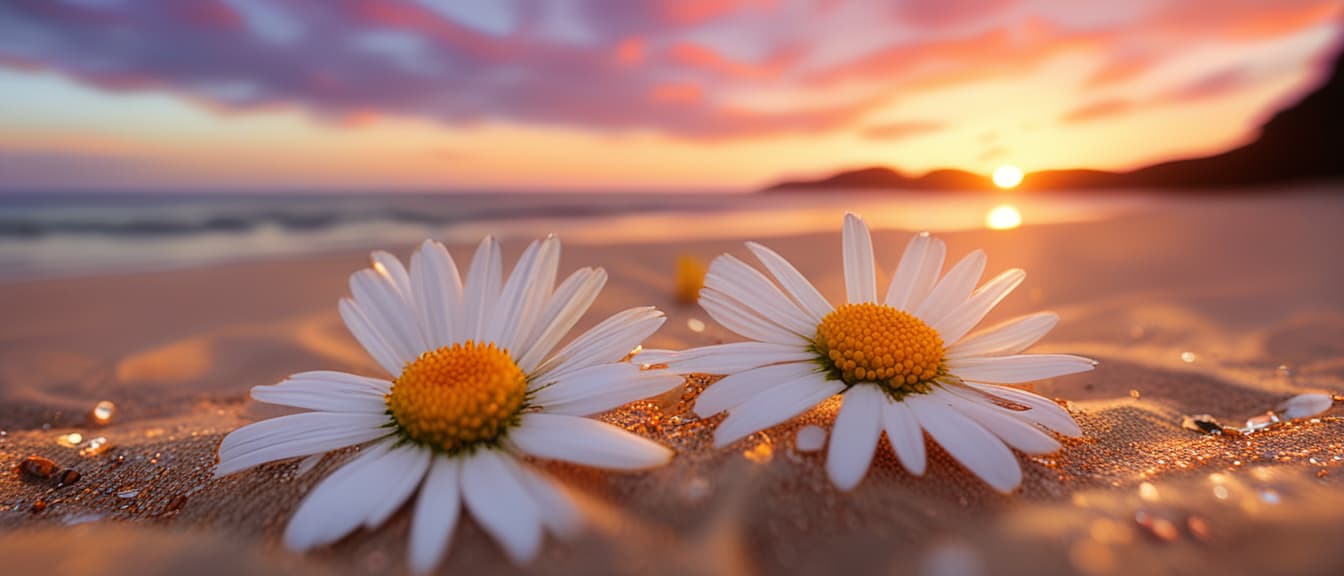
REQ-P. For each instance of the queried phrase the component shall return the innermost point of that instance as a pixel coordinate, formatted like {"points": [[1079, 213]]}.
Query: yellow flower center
{"points": [[875, 343], [458, 396]]}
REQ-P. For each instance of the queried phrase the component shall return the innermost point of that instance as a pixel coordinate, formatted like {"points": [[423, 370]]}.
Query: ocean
{"points": [[46, 235]]}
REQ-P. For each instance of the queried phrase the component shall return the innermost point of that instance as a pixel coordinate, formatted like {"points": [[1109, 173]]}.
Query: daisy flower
{"points": [[904, 364], [476, 388]]}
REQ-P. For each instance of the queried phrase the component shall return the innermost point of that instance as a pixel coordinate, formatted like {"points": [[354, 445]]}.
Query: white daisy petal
{"points": [[390, 268], [571, 300], [733, 390], [501, 505], [774, 406], [296, 435], [854, 435], [389, 313], [587, 442], [1043, 411], [953, 289], [917, 272], [803, 292], [860, 274], [1015, 432], [341, 502], [600, 388], [609, 341], [327, 392], [1010, 337], [438, 293], [410, 463], [967, 442], [729, 275], [559, 514], [732, 358], [368, 337], [525, 294], [905, 436], [969, 313], [1018, 368], [436, 513], [480, 292], [734, 315]]}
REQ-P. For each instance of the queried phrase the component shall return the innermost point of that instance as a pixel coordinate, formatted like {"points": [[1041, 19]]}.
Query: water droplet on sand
{"points": [[37, 467], [70, 440], [809, 438], [1257, 423], [1307, 405], [1220, 492], [95, 447], [1188, 357], [128, 494], [104, 411]]}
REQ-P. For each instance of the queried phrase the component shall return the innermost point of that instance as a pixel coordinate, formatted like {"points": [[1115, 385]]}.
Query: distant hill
{"points": [[1302, 142]]}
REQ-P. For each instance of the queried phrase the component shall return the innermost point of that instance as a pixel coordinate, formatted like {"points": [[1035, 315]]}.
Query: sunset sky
{"points": [[625, 95]]}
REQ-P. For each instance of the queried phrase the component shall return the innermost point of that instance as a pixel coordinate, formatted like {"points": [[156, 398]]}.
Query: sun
{"points": [[1007, 176]]}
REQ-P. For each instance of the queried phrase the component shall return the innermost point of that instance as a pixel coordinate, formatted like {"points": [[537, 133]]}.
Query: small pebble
{"points": [[37, 467], [39, 506], [68, 477]]}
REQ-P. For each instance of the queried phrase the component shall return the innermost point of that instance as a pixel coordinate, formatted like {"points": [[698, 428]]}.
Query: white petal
{"points": [[296, 435], [525, 295], [327, 392], [480, 293], [729, 275], [732, 391], [967, 442], [1307, 405], [587, 442], [609, 341], [803, 292], [411, 462], [733, 358], [559, 514], [436, 513], [905, 436], [742, 319], [438, 293], [600, 388], [387, 312], [501, 505], [1018, 368], [368, 337], [854, 435], [918, 270], [570, 301], [774, 406], [953, 289], [1043, 411], [389, 266], [1010, 337], [1014, 431], [347, 498], [970, 312], [860, 274]]}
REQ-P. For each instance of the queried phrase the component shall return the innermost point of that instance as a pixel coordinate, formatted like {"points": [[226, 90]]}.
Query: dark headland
{"points": [[1303, 142]]}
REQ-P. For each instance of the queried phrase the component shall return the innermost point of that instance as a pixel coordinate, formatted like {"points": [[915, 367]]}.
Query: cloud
{"points": [[901, 130], [1098, 110], [683, 68]]}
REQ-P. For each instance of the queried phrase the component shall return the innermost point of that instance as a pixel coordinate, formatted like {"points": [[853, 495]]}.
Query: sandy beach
{"points": [[1226, 308]]}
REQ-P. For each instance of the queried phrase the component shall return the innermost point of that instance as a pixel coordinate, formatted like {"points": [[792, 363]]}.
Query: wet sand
{"points": [[1223, 307]]}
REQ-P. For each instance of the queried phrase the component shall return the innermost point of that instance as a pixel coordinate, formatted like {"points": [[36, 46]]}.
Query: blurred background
{"points": [[147, 134]]}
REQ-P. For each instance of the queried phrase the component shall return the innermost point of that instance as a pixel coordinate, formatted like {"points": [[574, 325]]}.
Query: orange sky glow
{"points": [[592, 95]]}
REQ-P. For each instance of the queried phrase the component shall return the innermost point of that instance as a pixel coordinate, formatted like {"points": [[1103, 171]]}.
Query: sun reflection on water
{"points": [[1003, 217]]}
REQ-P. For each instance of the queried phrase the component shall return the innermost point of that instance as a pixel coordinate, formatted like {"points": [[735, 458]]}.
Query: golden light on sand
{"points": [[1003, 217], [1007, 176]]}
